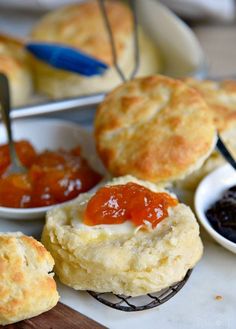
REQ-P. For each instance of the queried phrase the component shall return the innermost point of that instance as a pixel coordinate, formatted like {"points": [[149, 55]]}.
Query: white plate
{"points": [[208, 192], [49, 134]]}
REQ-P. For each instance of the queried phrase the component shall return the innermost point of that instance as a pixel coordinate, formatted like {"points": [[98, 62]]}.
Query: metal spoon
{"points": [[16, 166]]}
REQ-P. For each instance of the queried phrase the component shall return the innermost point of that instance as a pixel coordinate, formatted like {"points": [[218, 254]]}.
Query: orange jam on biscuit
{"points": [[118, 203], [52, 177]]}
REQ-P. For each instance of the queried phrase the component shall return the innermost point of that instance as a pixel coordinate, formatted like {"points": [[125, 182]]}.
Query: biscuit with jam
{"points": [[130, 237]]}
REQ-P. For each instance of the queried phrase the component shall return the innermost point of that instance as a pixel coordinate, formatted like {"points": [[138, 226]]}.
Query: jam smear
{"points": [[118, 203], [222, 214], [53, 177]]}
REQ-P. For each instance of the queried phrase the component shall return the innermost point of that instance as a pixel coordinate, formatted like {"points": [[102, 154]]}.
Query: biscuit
{"points": [[27, 287], [14, 63], [82, 26], [220, 96], [155, 128], [120, 258], [221, 99]]}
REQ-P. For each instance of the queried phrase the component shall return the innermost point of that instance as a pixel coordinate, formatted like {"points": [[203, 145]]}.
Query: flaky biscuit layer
{"points": [[27, 287], [221, 99], [120, 258]]}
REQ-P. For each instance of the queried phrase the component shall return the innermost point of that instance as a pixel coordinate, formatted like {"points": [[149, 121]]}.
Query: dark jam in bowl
{"points": [[222, 214]]}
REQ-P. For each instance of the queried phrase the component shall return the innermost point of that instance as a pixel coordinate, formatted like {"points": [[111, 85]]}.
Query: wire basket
{"points": [[141, 303]]}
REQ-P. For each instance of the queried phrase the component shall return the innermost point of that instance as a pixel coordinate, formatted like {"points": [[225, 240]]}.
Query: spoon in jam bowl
{"points": [[16, 166]]}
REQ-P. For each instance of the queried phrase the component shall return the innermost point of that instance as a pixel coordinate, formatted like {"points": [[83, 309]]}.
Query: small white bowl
{"points": [[208, 192], [49, 134]]}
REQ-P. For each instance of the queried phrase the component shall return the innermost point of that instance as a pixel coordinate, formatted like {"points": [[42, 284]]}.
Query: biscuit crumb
{"points": [[218, 297]]}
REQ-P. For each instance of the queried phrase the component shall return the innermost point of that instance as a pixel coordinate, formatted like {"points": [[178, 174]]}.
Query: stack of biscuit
{"points": [[159, 130]]}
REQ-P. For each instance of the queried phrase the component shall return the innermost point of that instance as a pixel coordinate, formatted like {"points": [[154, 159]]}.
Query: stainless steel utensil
{"points": [[87, 103], [225, 152], [112, 41], [16, 166]]}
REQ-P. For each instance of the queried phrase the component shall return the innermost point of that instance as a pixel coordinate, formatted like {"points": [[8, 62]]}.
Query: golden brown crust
{"points": [[82, 26], [26, 287], [14, 63], [155, 128], [221, 99]]}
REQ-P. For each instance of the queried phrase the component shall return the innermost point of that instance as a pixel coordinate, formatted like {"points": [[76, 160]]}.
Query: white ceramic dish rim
{"points": [[182, 31], [201, 212], [37, 212]]}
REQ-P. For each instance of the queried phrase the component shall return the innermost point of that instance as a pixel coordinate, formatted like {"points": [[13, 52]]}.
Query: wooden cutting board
{"points": [[60, 317]]}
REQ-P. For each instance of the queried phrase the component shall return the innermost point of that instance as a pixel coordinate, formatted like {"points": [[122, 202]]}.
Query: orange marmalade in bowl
{"points": [[117, 203], [53, 177]]}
